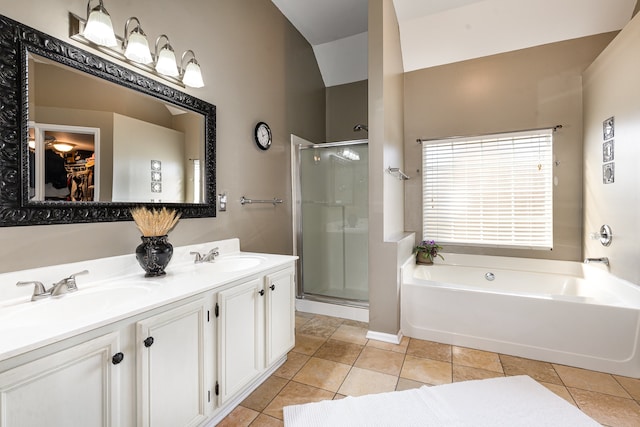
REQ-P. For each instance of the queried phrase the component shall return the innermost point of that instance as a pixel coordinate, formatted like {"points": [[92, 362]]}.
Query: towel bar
{"points": [[246, 201], [401, 175]]}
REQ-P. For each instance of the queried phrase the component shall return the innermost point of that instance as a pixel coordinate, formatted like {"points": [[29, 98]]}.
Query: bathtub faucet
{"points": [[604, 260]]}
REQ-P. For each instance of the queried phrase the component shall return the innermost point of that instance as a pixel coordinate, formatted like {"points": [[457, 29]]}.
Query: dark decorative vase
{"points": [[422, 257], [153, 255]]}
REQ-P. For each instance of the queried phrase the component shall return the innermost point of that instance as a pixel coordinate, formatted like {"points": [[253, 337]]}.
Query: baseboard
{"points": [[335, 310], [381, 336]]}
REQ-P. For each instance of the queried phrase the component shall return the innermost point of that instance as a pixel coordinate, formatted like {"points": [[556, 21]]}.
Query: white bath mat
{"points": [[508, 401]]}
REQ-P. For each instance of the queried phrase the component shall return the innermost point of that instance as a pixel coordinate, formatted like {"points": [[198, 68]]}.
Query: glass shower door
{"points": [[334, 221]]}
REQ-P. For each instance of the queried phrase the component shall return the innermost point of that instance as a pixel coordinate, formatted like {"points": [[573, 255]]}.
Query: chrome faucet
{"points": [[209, 257], [39, 292], [604, 260], [68, 284]]}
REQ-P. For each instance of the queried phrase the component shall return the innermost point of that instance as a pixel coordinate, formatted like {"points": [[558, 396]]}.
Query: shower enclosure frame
{"points": [[297, 145]]}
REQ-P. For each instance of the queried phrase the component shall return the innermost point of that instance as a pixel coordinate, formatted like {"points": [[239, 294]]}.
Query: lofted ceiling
{"points": [[437, 32]]}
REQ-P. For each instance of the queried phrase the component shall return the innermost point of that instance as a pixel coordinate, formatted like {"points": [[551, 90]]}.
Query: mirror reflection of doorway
{"points": [[63, 165]]}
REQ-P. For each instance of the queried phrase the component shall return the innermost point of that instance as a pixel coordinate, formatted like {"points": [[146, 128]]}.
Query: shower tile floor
{"points": [[333, 359]]}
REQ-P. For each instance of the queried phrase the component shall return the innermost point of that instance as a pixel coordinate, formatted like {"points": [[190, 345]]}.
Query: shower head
{"points": [[359, 127]]}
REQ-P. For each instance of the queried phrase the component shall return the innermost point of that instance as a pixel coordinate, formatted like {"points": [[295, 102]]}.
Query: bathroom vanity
{"points": [[124, 350]]}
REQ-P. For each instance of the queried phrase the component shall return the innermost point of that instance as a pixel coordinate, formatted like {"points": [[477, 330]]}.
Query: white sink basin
{"points": [[70, 306], [232, 263], [104, 296]]}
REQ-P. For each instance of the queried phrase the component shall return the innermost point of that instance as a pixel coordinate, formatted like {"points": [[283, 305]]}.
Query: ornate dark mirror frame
{"points": [[16, 40]]}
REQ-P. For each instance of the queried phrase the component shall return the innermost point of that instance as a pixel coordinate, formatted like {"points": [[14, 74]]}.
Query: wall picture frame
{"points": [[608, 173], [608, 128], [608, 151]]}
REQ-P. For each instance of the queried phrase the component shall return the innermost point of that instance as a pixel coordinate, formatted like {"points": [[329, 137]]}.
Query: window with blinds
{"points": [[494, 190]]}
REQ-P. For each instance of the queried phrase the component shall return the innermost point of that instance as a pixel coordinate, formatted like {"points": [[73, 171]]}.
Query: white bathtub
{"points": [[561, 312]]}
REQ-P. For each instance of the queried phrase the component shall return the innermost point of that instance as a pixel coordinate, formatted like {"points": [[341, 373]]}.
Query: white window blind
{"points": [[494, 190]]}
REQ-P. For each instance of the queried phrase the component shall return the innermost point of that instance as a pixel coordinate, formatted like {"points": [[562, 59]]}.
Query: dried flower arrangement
{"points": [[153, 223]]}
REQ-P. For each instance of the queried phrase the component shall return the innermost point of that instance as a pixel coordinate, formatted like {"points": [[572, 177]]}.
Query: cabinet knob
{"points": [[117, 358], [272, 287], [148, 342], [261, 292]]}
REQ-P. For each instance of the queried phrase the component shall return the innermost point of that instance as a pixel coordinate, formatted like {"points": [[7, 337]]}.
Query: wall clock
{"points": [[262, 135]]}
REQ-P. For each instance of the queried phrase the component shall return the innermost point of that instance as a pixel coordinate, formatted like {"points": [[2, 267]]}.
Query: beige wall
{"points": [[386, 204], [347, 105], [525, 89], [612, 88], [61, 87], [256, 66], [192, 125], [136, 144]]}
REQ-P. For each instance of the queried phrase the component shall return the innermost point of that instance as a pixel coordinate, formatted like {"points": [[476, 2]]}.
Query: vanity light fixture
{"points": [[99, 28], [166, 58], [191, 73], [135, 45]]}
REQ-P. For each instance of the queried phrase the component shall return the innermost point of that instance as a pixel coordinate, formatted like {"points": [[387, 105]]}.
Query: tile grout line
{"points": [[404, 360], [624, 388], [350, 367], [566, 387]]}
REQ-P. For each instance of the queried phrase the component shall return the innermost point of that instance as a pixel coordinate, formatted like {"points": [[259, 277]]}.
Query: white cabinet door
{"points": [[241, 335], [174, 385], [280, 314], [74, 387]]}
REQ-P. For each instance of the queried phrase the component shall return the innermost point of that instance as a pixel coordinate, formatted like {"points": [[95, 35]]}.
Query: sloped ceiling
{"points": [[466, 29], [437, 32], [337, 31]]}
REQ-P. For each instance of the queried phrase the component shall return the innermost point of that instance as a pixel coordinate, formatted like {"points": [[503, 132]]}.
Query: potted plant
{"points": [[426, 251], [155, 252]]}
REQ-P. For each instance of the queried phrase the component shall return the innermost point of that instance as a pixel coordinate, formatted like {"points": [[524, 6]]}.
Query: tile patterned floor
{"points": [[333, 359]]}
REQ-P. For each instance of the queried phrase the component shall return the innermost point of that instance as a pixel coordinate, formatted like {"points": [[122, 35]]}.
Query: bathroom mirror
{"points": [[134, 141]]}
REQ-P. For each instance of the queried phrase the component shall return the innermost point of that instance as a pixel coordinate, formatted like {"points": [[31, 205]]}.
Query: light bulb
{"points": [[138, 48], [99, 28], [193, 75], [166, 62]]}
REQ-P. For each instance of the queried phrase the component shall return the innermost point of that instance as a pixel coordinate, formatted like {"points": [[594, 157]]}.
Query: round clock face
{"points": [[263, 135]]}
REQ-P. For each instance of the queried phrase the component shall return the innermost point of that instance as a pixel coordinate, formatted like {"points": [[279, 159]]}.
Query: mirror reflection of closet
{"points": [[62, 163]]}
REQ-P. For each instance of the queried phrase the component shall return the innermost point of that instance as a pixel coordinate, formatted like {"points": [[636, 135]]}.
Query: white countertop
{"points": [[114, 289]]}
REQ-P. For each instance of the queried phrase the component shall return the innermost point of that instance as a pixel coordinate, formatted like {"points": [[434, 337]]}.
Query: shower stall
{"points": [[331, 201]]}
